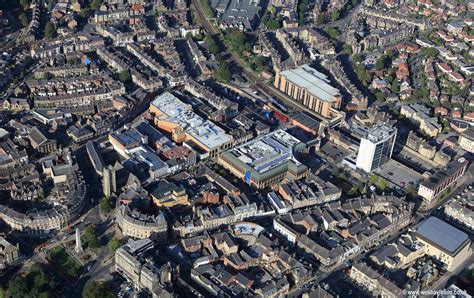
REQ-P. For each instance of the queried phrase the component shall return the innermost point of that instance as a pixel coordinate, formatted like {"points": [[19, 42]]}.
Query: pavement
{"points": [[443, 282], [399, 174]]}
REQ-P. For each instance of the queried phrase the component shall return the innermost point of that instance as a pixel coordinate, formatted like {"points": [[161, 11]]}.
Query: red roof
{"points": [[445, 67], [441, 110], [456, 76], [456, 114], [469, 116], [137, 7]]}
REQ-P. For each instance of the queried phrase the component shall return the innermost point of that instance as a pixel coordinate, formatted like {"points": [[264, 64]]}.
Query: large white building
{"points": [[176, 117], [376, 147]]}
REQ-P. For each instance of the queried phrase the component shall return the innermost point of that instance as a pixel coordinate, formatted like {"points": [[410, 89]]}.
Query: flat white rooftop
{"points": [[380, 132], [176, 111], [268, 151], [312, 80]]}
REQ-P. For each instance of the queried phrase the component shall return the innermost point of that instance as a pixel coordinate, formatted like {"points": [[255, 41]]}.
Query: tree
{"points": [[237, 41], [40, 284], [302, 8], [49, 30], [114, 244], [394, 88], [389, 78], [125, 76], [40, 279], [445, 124], [95, 289], [363, 75], [411, 191], [85, 12], [335, 15], [223, 73], [272, 10], [90, 237], [25, 4], [333, 32], [199, 36], [211, 45], [383, 183], [258, 63], [74, 61], [272, 22], [206, 7], [347, 49], [105, 205], [430, 52], [95, 4], [380, 64], [47, 76], [357, 58], [374, 179], [380, 96], [17, 287], [320, 19], [23, 19]]}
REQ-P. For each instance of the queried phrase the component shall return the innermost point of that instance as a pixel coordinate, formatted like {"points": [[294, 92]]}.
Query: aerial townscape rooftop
{"points": [[236, 148]]}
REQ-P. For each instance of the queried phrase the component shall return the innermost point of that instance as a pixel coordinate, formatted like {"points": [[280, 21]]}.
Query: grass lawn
{"points": [[59, 257]]}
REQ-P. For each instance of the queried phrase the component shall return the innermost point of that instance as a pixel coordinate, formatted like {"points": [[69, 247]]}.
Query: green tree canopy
{"points": [[302, 8], [211, 45], [23, 19], [223, 73], [105, 205], [335, 15], [363, 75], [380, 64], [273, 22], [430, 52], [237, 41], [320, 19], [395, 88], [383, 183], [206, 7], [85, 12], [17, 287], [380, 96], [94, 4], [36, 283], [95, 289], [347, 49], [258, 63], [90, 237], [25, 4], [125, 76], [272, 10], [47, 76], [114, 244], [49, 30], [74, 61], [357, 58]]}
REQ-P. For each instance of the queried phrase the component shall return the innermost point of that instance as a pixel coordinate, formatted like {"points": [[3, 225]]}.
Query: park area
{"points": [[63, 262]]}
